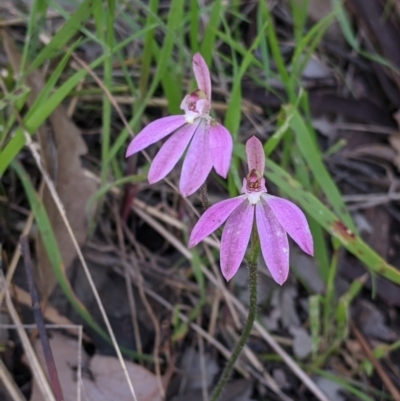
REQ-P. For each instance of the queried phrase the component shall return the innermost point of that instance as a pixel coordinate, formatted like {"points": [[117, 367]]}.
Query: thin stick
{"points": [[34, 363], [10, 384], [37, 313], [15, 258], [378, 367]]}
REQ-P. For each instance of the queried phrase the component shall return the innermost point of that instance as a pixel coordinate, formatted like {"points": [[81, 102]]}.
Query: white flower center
{"points": [[254, 197]]}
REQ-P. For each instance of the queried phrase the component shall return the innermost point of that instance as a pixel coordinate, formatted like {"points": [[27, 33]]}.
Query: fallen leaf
{"points": [[61, 147], [281, 379], [330, 388], [372, 322], [192, 372], [301, 342], [290, 317], [102, 376]]}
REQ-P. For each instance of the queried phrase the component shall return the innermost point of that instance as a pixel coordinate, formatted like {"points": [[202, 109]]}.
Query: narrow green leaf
{"points": [[208, 43], [148, 47], [312, 156], [33, 121], [64, 34], [330, 222], [314, 314]]}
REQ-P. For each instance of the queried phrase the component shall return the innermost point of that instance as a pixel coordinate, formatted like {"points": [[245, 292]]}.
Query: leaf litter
{"points": [[102, 378]]}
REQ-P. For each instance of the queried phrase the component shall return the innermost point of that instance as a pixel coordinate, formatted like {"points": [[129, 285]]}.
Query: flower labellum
{"points": [[209, 143], [275, 218]]}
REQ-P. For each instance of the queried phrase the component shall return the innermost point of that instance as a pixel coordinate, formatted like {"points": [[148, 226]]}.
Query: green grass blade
{"points": [[233, 114], [66, 32], [312, 156], [274, 46], [208, 42], [148, 47], [351, 38], [194, 17], [330, 222], [36, 119], [166, 70], [299, 15], [314, 313], [360, 394], [52, 80]]}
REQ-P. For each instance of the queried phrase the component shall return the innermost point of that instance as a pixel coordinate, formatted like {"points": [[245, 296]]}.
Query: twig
{"points": [[378, 367], [29, 352], [15, 258], [9, 383], [37, 313]]}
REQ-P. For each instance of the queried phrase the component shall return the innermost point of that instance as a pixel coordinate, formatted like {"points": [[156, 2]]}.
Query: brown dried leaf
{"points": [[102, 380], [61, 148]]}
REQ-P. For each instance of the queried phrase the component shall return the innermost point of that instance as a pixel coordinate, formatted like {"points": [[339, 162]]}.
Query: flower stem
{"points": [[246, 330]]}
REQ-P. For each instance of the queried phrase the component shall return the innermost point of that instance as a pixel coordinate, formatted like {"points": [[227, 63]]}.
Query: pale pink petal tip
{"points": [[235, 239], [255, 155], [293, 220], [273, 242], [221, 146], [202, 75], [153, 132]]}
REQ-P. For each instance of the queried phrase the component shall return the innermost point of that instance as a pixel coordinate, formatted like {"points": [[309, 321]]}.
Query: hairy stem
{"points": [[246, 329]]}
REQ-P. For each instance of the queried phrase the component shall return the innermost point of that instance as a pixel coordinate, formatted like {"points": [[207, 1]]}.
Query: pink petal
{"points": [[294, 222], [153, 132], [235, 238], [221, 146], [212, 218], [202, 75], [171, 152], [197, 164], [274, 242], [255, 155]]}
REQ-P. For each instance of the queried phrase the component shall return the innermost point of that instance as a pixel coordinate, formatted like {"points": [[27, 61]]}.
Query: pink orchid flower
{"points": [[275, 217], [210, 142]]}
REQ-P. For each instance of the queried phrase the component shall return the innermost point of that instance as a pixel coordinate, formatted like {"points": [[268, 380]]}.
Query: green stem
{"points": [[246, 330]]}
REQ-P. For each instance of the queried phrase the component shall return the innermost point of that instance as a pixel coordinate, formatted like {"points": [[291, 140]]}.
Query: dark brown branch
{"points": [[37, 313]]}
